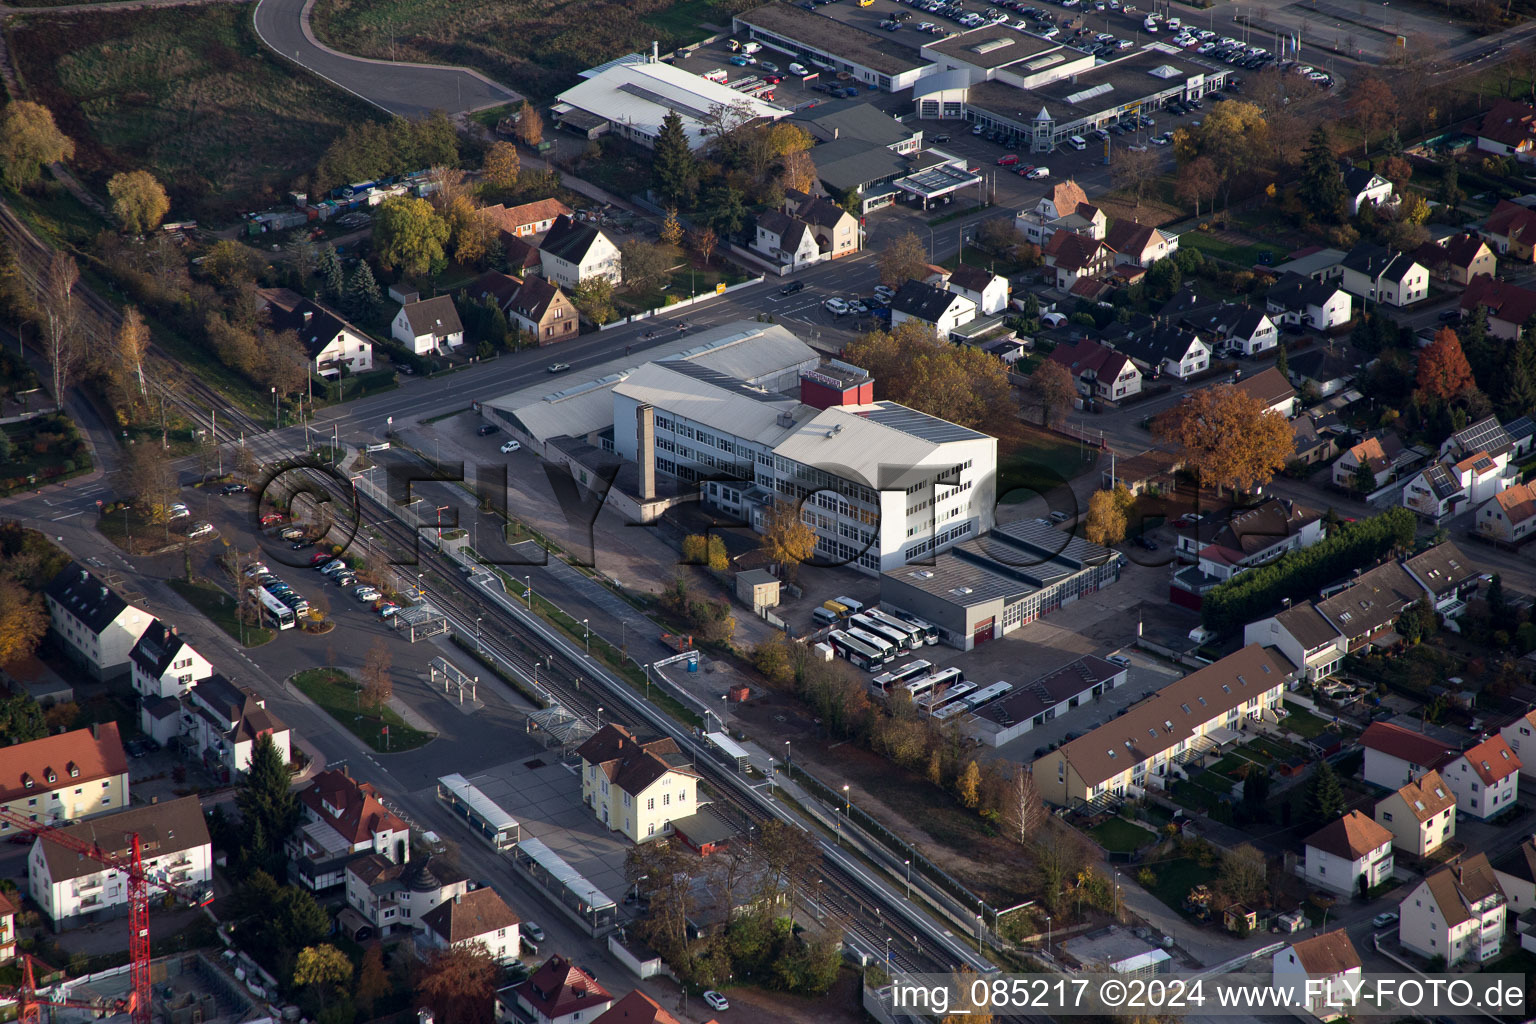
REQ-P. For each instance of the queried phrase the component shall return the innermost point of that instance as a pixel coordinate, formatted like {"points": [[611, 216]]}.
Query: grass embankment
{"points": [[220, 609], [339, 694], [189, 94]]}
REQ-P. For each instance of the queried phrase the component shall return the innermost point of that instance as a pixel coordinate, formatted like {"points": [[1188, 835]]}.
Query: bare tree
{"points": [[1023, 812], [61, 321], [132, 344], [377, 687]]}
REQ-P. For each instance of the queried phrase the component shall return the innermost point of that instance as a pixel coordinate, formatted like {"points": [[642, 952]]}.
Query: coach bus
{"points": [[911, 670], [884, 646], [856, 650], [897, 638], [928, 631], [914, 635]]}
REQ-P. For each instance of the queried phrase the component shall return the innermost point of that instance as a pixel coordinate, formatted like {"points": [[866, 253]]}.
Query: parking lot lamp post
{"points": [[887, 956], [789, 755]]}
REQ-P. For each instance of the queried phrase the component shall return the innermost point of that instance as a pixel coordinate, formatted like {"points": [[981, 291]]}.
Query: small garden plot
{"points": [[1279, 750], [1120, 836], [1303, 722]]}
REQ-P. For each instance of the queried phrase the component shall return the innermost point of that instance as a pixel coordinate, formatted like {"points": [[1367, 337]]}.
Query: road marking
{"points": [[67, 515]]}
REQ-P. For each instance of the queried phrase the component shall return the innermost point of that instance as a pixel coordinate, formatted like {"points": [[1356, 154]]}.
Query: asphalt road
{"points": [[410, 90]]}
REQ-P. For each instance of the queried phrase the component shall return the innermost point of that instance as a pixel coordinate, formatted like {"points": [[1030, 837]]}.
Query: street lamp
{"points": [[1047, 933], [846, 801], [477, 633], [979, 905], [528, 591], [276, 416], [587, 638], [908, 863], [887, 956], [789, 759]]}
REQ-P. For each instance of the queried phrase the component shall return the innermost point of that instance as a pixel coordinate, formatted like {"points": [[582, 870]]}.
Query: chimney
{"points": [[308, 313], [154, 799], [173, 630], [645, 450], [95, 730], [655, 52]]}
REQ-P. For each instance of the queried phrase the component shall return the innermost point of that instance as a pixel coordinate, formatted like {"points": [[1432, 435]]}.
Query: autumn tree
{"points": [[321, 967], [1197, 182], [1134, 170], [902, 260], [408, 233], [133, 346], [798, 171], [706, 549], [1051, 389], [957, 383], [377, 687], [1022, 810], [702, 241], [30, 141], [1059, 854], [502, 165], [671, 230], [530, 124], [1234, 135], [1443, 370], [1230, 438], [1372, 108], [62, 343], [593, 298], [968, 785], [458, 983], [1109, 515], [23, 622], [787, 539], [372, 981], [646, 265], [139, 201]]}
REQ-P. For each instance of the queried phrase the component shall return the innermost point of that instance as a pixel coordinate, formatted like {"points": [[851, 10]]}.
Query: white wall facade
{"points": [[107, 889], [106, 654], [1473, 797], [1338, 874]]}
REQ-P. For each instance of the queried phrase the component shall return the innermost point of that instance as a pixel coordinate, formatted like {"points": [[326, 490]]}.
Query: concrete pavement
{"points": [[409, 90]]}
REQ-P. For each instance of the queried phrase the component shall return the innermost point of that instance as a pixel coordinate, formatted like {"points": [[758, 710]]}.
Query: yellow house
{"points": [[636, 788], [66, 776], [1421, 816]]}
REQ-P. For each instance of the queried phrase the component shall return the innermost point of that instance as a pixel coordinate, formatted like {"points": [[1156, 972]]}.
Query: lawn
{"points": [[189, 94], [220, 609], [1176, 877], [1120, 836], [1275, 748], [338, 693], [1038, 462], [536, 47], [1220, 248], [1303, 722]]}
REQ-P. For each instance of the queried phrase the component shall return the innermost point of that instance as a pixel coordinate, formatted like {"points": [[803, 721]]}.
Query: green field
{"points": [[1175, 878], [220, 609], [1120, 836], [1038, 463], [1303, 722], [537, 47], [1240, 255], [189, 94], [337, 692]]}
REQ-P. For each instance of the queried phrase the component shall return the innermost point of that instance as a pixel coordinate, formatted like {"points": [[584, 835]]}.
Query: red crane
{"points": [[30, 1008], [131, 864]]}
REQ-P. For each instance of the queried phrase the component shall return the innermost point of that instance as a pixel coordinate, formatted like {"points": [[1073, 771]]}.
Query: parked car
{"points": [[1007, 160], [366, 593], [488, 428], [836, 306], [767, 65], [177, 511], [200, 530], [318, 559], [1039, 172], [716, 1001], [857, 307], [797, 69], [292, 533], [1382, 920], [388, 608], [741, 62], [1119, 659], [884, 292], [233, 489], [533, 931], [333, 566], [939, 140], [1450, 315], [510, 446], [271, 519]]}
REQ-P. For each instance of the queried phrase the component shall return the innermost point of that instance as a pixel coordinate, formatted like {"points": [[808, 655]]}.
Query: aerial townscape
{"points": [[685, 511]]}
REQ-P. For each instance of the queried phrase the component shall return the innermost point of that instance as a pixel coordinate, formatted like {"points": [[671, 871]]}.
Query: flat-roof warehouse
{"points": [[875, 60]]}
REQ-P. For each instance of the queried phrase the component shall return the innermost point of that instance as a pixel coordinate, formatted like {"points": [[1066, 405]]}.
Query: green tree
{"points": [[21, 720], [674, 170], [593, 297], [409, 234], [30, 141], [5, 447], [320, 967], [331, 273], [363, 296], [1322, 180], [1417, 621], [1163, 278], [297, 920], [228, 263], [1364, 478], [1283, 362], [727, 209], [1256, 793], [139, 201], [268, 808], [1324, 795]]}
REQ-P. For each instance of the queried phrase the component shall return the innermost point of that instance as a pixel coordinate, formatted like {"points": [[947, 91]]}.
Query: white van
{"points": [[1076, 142], [751, 47], [854, 607]]}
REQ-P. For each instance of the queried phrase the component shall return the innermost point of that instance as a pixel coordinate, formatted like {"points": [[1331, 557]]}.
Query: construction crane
{"points": [[30, 1007], [131, 865]]}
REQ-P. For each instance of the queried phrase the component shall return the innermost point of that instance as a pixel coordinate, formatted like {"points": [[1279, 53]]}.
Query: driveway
{"points": [[409, 90]]}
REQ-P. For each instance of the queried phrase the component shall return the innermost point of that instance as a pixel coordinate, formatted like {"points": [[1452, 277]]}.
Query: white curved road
{"points": [[409, 90]]}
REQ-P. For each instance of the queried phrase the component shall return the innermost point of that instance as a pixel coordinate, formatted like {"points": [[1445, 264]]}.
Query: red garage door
{"points": [[983, 632]]}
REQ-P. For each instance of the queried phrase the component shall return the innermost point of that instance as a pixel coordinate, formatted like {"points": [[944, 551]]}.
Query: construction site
{"points": [[187, 988]]}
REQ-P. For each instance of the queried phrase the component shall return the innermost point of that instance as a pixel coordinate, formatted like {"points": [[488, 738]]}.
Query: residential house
{"points": [[1485, 778], [636, 788], [7, 929], [342, 819], [1160, 348], [1445, 573], [1314, 262], [987, 290], [1379, 453], [1139, 244], [1271, 388], [1064, 208], [1508, 306], [397, 897], [1098, 370], [1182, 721], [1421, 814], [1458, 259], [528, 219], [573, 251], [1395, 756], [65, 776], [1228, 327], [71, 889], [479, 915], [1349, 856], [1321, 371], [1509, 129], [1369, 607], [1072, 256], [1298, 300], [837, 232], [1377, 274], [1224, 547], [558, 992], [1518, 735], [1365, 187], [221, 723], [637, 1008], [332, 345], [531, 304], [789, 240], [1511, 229], [1509, 516], [1516, 875], [428, 325], [1444, 489], [1455, 914], [1305, 637], [98, 628], [162, 664], [938, 308], [1324, 972], [1312, 446], [1487, 435]]}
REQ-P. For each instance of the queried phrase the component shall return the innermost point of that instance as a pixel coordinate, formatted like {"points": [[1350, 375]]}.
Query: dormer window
{"points": [[26, 780], [51, 776], [73, 769]]}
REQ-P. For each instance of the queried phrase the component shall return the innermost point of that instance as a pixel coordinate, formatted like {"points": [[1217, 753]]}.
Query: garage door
{"points": [[983, 632]]}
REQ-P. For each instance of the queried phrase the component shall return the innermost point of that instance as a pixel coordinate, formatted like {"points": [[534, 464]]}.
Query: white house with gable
{"points": [[1345, 851]]}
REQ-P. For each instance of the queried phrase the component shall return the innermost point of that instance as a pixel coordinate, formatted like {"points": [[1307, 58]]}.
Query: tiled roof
{"points": [[628, 763], [1454, 887], [972, 279], [1352, 837], [1359, 179], [436, 316], [1090, 356], [1442, 568], [1510, 123], [1492, 760], [470, 915], [1327, 954], [1067, 196], [1073, 251], [493, 284], [1269, 386], [559, 988], [1308, 626], [1511, 220], [73, 758], [570, 239], [1505, 301], [350, 807], [1129, 236], [1427, 796], [1406, 745], [1518, 502], [924, 301], [636, 1008], [157, 649], [163, 829], [316, 324], [534, 297], [527, 215]]}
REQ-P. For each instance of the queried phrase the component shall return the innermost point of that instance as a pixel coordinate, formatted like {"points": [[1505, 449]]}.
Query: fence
{"points": [[647, 314]]}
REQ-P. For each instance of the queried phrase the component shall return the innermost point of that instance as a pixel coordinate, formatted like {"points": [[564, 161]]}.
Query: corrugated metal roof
{"points": [[641, 95]]}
